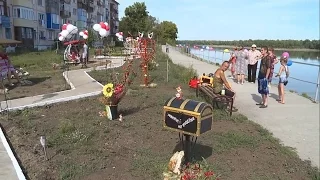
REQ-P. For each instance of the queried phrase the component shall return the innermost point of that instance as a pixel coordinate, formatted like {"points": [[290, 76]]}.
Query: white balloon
{"points": [[103, 32], [70, 27], [81, 33], [120, 38], [117, 34], [64, 33], [61, 38], [106, 24], [85, 36], [96, 27]]}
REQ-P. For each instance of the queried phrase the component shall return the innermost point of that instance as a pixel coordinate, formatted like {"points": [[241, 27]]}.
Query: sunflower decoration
{"points": [[108, 90]]}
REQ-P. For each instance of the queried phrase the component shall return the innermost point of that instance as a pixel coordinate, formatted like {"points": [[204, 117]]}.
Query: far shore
{"points": [[280, 49]]}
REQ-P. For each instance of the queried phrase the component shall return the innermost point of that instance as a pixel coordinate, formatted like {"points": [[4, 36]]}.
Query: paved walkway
{"points": [[295, 123], [82, 85]]}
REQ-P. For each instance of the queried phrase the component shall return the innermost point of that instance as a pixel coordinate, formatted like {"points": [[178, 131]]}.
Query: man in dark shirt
{"points": [[264, 72]]}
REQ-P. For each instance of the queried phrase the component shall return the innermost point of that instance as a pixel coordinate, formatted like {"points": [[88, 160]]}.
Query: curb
{"points": [[12, 157]]}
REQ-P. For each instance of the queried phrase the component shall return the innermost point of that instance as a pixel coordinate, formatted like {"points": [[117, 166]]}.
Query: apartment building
{"points": [[114, 17], [24, 21], [6, 25], [36, 23]]}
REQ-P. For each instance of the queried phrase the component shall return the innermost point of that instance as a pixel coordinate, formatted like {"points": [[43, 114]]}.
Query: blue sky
{"points": [[237, 19]]}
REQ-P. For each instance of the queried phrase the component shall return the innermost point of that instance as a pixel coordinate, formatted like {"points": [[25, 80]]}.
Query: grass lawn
{"points": [[42, 75], [83, 145]]}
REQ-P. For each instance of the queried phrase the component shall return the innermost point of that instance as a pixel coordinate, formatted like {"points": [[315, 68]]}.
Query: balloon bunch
{"points": [[103, 29], [84, 34], [68, 30], [120, 36]]}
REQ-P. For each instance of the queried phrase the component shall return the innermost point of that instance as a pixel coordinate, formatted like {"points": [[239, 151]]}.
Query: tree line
{"points": [[138, 19], [290, 44]]}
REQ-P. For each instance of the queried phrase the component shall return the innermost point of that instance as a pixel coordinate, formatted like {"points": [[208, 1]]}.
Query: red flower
{"points": [[208, 174]]}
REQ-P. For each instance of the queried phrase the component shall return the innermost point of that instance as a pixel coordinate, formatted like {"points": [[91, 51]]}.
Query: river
{"points": [[303, 77]]}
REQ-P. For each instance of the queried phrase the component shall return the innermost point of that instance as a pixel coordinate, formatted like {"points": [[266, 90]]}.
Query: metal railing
{"points": [[224, 56]]}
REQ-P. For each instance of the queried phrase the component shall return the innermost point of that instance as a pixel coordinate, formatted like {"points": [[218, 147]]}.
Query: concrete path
{"points": [[295, 123], [82, 85]]}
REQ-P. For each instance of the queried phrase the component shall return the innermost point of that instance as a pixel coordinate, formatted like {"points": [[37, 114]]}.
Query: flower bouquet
{"points": [[112, 94]]}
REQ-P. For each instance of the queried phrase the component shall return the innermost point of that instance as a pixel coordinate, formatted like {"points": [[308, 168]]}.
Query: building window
{"points": [[74, 11], [23, 33], [24, 13], [1, 10], [8, 33], [50, 35], [29, 33], [41, 16], [41, 34], [40, 3]]}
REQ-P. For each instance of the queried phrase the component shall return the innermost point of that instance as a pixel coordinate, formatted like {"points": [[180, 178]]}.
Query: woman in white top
{"points": [[84, 55], [283, 78]]}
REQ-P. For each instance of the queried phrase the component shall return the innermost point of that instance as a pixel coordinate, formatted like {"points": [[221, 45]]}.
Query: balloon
{"points": [[226, 50], [107, 28], [289, 63], [106, 23], [103, 32], [96, 27], [61, 38], [64, 27], [81, 33], [64, 33], [120, 38], [70, 27], [117, 34], [86, 32], [103, 26], [85, 36], [121, 33], [286, 55], [207, 47]]}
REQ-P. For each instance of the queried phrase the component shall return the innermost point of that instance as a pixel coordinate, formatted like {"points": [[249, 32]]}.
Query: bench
{"points": [[217, 100]]}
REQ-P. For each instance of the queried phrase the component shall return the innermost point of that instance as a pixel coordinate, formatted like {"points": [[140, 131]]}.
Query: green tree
{"points": [[135, 19], [168, 32]]}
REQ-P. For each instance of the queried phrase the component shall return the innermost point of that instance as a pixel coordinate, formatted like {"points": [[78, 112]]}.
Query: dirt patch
{"points": [[83, 145]]}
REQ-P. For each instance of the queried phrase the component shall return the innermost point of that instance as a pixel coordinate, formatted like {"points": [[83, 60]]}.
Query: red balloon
{"points": [[85, 32], [121, 33], [64, 27], [107, 28], [103, 26]]}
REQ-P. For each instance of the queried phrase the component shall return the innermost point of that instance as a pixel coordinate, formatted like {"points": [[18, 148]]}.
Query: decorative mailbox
{"points": [[206, 79], [187, 116]]}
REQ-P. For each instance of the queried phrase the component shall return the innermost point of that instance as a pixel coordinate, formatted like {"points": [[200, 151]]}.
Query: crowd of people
{"points": [[244, 63]]}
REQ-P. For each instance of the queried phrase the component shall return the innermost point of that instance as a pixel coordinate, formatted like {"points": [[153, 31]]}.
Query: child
{"points": [[283, 78]]}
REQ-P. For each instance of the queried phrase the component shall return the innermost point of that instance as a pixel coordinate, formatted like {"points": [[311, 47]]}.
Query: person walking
{"points": [[241, 67], [84, 55], [254, 55], [264, 71]]}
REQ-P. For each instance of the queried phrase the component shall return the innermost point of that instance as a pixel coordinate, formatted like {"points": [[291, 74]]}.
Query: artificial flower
{"points": [[108, 90]]}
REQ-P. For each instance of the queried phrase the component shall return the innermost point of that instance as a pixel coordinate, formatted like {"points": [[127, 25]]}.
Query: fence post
{"points": [[318, 82]]}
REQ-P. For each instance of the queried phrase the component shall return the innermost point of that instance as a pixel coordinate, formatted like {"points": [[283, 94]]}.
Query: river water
{"points": [[303, 77]]}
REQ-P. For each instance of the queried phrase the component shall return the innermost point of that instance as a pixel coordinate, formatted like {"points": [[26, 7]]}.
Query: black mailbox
{"points": [[187, 116]]}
